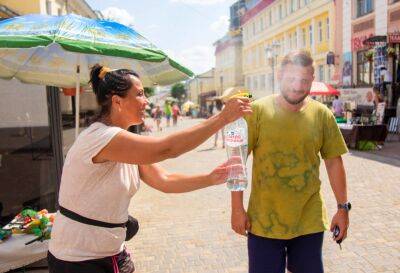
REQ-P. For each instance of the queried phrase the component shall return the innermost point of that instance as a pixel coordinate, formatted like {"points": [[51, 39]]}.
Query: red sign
{"points": [[394, 38], [357, 42]]}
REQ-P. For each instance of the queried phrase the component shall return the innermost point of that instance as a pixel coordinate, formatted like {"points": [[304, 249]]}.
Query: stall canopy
{"points": [[59, 51], [320, 88]]}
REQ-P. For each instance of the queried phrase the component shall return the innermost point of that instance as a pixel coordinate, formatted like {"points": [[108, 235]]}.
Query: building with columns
{"points": [[272, 28]]}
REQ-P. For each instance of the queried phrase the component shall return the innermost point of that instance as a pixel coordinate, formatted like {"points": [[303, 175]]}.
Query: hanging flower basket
{"points": [[71, 91], [391, 51]]}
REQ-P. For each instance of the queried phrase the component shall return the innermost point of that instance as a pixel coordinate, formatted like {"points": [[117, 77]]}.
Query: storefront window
{"points": [[28, 168], [364, 7], [364, 69]]}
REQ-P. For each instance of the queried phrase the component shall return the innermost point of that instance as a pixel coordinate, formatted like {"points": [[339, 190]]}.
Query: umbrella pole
{"points": [[77, 93]]}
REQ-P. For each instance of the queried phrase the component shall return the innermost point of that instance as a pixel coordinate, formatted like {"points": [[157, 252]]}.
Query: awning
{"points": [[320, 88], [373, 40]]}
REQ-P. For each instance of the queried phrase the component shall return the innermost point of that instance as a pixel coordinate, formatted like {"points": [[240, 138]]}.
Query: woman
{"points": [[103, 168], [176, 112], [218, 108], [157, 117]]}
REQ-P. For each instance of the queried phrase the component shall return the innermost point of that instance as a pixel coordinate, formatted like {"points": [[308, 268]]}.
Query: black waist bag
{"points": [[132, 225]]}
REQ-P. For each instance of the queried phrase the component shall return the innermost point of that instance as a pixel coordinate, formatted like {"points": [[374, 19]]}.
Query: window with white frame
{"points": [[248, 82], [327, 29], [292, 5], [262, 23], [364, 7], [270, 81], [304, 37], [290, 41], [320, 31], [48, 7], [270, 18], [321, 73], [255, 82], [310, 30], [262, 81], [254, 28], [280, 12], [294, 40], [328, 79]]}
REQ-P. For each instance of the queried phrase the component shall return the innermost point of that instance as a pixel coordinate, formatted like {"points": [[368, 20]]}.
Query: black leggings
{"points": [[120, 263]]}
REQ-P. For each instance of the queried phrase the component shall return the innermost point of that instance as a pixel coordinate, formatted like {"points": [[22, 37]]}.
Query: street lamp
{"points": [[272, 53]]}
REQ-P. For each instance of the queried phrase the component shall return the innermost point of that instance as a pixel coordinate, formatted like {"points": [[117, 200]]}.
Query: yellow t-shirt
{"points": [[285, 200]]}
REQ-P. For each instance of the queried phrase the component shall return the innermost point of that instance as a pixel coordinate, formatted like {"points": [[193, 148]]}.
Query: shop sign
{"points": [[357, 43], [394, 38], [361, 96]]}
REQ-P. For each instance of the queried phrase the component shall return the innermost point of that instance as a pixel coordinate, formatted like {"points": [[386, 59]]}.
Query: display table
{"points": [[352, 133], [15, 254]]}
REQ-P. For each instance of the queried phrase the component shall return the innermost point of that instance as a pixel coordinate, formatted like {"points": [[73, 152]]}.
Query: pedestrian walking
{"points": [[337, 107], [286, 216], [157, 115], [168, 112], [103, 170], [217, 109], [176, 112]]}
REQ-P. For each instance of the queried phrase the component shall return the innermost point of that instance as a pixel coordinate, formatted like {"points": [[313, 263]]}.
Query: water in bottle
{"points": [[236, 146]]}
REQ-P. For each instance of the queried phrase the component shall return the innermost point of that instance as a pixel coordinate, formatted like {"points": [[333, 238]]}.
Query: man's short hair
{"points": [[299, 57]]}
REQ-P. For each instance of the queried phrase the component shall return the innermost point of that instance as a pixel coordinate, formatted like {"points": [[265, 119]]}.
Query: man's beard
{"points": [[293, 102]]}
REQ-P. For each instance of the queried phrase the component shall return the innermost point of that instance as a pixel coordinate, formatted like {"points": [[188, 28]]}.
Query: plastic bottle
{"points": [[236, 139]]}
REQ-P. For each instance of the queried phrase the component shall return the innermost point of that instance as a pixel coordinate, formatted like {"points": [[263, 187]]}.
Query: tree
{"points": [[178, 90], [149, 91]]}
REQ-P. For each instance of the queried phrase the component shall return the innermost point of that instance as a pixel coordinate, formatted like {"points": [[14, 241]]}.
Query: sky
{"points": [[184, 29]]}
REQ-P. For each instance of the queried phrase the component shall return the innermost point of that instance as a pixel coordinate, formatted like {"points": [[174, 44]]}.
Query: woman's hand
{"points": [[236, 108], [220, 174]]}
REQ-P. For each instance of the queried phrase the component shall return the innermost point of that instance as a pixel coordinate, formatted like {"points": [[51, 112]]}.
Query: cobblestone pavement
{"points": [[191, 232]]}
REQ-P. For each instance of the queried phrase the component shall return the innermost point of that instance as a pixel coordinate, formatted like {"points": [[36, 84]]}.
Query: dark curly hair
{"points": [[114, 82]]}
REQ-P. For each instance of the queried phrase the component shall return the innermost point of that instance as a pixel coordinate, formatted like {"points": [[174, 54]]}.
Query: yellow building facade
{"points": [[228, 62], [201, 86], [271, 29]]}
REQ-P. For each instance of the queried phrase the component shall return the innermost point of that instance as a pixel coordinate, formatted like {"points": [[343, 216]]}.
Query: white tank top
{"points": [[100, 191]]}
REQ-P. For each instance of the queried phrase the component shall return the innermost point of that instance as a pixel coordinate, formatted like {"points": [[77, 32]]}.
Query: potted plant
{"points": [[369, 55], [391, 51]]}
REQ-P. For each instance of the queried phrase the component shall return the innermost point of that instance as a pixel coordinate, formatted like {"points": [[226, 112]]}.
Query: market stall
{"points": [[358, 136], [25, 239], [57, 51]]}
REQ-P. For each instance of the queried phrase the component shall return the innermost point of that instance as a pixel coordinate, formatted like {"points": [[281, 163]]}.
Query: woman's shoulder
{"points": [[97, 130]]}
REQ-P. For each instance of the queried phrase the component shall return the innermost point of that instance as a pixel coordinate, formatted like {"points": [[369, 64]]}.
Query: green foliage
{"points": [[178, 90], [149, 91]]}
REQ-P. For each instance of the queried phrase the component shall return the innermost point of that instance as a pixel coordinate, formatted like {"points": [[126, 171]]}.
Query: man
{"points": [[286, 217], [337, 106]]}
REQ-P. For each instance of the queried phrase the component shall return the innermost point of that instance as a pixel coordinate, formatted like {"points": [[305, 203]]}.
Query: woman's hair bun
{"points": [[94, 77]]}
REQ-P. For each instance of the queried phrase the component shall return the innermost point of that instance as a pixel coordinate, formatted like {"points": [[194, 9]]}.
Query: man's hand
{"points": [[340, 219], [240, 222]]}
